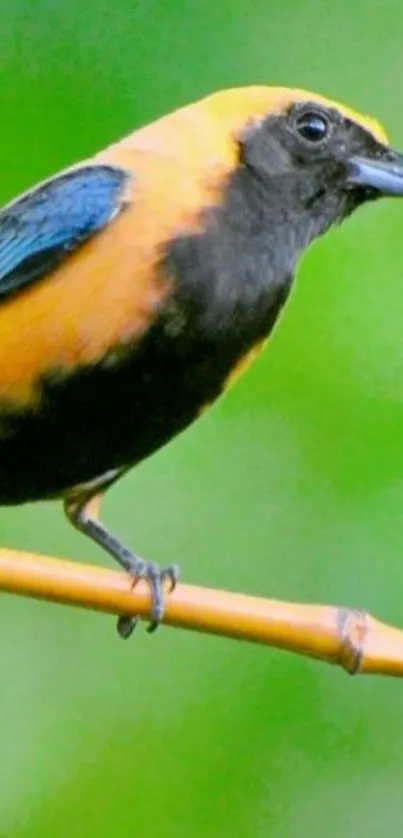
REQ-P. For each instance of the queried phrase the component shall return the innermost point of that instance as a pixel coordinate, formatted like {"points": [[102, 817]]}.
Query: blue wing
{"points": [[40, 229]]}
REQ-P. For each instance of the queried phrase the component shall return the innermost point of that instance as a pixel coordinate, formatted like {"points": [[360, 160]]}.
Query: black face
{"points": [[304, 160]]}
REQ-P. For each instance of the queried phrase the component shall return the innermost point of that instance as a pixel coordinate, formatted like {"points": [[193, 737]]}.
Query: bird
{"points": [[138, 284]]}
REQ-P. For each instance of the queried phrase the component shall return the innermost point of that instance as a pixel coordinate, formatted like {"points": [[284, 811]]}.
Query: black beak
{"points": [[384, 175]]}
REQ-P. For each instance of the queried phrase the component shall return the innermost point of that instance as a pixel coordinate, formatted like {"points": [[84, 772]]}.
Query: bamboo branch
{"points": [[351, 639]]}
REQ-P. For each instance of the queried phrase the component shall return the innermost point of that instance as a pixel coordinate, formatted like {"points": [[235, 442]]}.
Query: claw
{"points": [[126, 626], [171, 575], [155, 576]]}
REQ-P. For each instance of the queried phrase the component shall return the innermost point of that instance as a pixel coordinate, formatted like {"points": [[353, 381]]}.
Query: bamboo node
{"points": [[353, 627]]}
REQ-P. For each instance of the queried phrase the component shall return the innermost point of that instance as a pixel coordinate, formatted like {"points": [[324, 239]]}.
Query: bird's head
{"points": [[312, 160]]}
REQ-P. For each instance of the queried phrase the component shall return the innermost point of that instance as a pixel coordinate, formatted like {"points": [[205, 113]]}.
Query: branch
{"points": [[351, 639]]}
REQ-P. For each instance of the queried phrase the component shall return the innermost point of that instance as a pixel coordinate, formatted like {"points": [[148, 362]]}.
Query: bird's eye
{"points": [[313, 127]]}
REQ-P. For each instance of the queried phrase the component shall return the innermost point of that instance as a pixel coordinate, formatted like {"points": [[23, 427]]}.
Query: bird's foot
{"points": [[156, 577], [82, 511]]}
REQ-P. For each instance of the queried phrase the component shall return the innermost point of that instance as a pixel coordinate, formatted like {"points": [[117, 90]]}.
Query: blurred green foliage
{"points": [[292, 487]]}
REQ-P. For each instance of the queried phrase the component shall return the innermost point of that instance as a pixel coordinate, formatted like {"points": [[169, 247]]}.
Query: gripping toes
{"points": [[156, 577]]}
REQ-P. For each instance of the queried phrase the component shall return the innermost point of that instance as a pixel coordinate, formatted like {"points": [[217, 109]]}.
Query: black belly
{"points": [[102, 418]]}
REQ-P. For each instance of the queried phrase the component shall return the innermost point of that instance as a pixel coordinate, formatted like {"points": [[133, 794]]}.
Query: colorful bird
{"points": [[137, 285]]}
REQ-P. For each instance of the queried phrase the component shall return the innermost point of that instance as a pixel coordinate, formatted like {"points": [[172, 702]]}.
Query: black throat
{"points": [[232, 278]]}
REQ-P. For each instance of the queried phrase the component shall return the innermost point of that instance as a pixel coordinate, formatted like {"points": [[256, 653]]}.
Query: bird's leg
{"points": [[82, 510]]}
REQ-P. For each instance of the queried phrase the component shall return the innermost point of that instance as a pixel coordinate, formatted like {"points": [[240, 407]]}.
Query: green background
{"points": [[291, 488]]}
